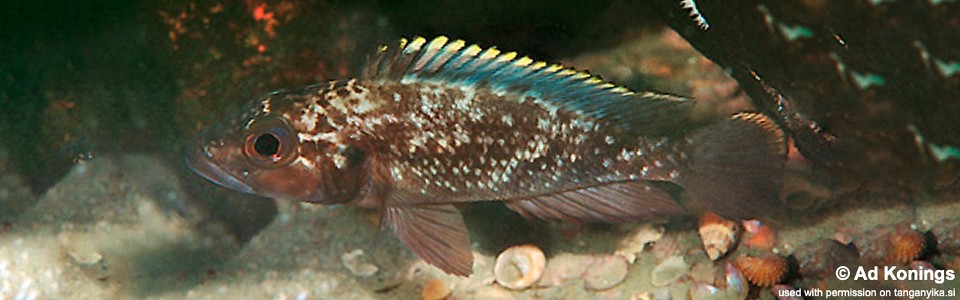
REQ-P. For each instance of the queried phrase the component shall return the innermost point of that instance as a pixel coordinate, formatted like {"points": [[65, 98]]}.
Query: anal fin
{"points": [[435, 233], [616, 202]]}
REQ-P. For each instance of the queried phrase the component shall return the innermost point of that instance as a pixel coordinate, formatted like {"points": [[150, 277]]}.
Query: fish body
{"points": [[434, 123]]}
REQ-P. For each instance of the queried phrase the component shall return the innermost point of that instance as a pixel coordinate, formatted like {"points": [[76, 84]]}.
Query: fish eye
{"points": [[269, 143]]}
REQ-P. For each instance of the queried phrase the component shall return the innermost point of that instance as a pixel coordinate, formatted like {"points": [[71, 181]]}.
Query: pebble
{"points": [[564, 267], [353, 262], [605, 273], [641, 238], [435, 289], [668, 271]]}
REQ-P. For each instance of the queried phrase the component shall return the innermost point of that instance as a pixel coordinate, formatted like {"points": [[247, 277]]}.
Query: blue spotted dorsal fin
{"points": [[453, 62]]}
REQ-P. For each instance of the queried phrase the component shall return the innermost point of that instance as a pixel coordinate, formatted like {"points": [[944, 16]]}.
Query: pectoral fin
{"points": [[612, 202], [436, 233]]}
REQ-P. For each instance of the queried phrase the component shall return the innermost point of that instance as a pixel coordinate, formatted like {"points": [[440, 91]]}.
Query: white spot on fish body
{"points": [[340, 161], [306, 163], [395, 172], [309, 121], [624, 155], [674, 174], [544, 125], [507, 119]]}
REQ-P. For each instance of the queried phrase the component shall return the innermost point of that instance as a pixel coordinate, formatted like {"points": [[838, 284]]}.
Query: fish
{"points": [[867, 110], [431, 124]]}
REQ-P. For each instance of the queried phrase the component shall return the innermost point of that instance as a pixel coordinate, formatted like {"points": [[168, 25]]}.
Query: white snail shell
{"points": [[519, 267]]}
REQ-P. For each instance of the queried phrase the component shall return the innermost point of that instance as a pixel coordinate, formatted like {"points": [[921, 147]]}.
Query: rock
{"points": [[113, 226], [353, 262], [15, 195], [668, 271], [635, 243], [605, 273], [563, 267], [434, 289]]}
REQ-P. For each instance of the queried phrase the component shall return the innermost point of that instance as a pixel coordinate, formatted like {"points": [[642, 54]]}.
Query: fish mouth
{"points": [[201, 164]]}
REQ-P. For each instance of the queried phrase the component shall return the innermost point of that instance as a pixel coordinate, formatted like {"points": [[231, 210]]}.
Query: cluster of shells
{"points": [[525, 266], [753, 259], [738, 260]]}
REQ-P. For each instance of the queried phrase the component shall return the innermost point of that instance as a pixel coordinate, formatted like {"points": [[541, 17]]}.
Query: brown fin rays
{"points": [[736, 166], [435, 233], [616, 202]]}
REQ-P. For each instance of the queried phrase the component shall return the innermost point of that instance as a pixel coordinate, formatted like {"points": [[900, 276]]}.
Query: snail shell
{"points": [[519, 267]]}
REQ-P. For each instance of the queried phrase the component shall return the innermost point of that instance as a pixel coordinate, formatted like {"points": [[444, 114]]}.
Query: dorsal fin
{"points": [[454, 63]]}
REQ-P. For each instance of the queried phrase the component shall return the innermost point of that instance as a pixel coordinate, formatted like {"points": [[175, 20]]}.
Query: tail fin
{"points": [[736, 166]]}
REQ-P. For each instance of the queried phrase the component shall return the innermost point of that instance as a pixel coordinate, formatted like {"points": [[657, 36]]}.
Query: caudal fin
{"points": [[736, 166]]}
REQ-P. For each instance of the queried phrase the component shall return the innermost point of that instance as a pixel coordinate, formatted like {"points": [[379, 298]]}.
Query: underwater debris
{"points": [[605, 273], [947, 235], [519, 267], [759, 235], [819, 259], [762, 270], [719, 235], [434, 289], [564, 267], [635, 243], [668, 271], [887, 245], [353, 261], [735, 281]]}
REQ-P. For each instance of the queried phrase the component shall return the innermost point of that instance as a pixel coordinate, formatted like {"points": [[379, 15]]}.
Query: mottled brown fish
{"points": [[432, 124]]}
